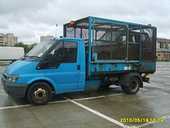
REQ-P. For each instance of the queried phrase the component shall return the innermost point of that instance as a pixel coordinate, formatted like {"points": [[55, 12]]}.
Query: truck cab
{"points": [[57, 65], [94, 53]]}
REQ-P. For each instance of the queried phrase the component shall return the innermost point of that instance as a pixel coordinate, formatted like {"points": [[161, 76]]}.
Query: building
{"points": [[1, 39], [163, 49], [46, 38], [7, 39]]}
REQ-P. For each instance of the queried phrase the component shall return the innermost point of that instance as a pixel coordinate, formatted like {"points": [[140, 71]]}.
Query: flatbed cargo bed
{"points": [[111, 42]]}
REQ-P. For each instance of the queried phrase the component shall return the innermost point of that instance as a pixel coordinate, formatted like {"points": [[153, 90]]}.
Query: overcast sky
{"points": [[28, 19]]}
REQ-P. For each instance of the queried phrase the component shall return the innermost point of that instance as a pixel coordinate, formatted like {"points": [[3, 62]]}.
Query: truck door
{"points": [[69, 76], [66, 72]]}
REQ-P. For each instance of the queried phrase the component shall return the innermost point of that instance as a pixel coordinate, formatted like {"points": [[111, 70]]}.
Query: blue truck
{"points": [[93, 53]]}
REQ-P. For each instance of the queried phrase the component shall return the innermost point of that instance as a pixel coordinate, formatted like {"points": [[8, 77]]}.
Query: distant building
{"points": [[163, 49], [1, 39], [7, 39], [46, 38]]}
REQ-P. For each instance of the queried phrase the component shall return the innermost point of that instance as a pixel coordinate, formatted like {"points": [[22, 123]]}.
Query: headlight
{"points": [[12, 78]]}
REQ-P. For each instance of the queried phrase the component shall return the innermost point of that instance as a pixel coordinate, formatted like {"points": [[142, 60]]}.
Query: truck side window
{"points": [[62, 52], [55, 56], [69, 52]]}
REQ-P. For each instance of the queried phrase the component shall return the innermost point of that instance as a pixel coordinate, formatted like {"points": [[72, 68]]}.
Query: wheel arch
{"points": [[40, 80], [136, 75], [140, 79]]}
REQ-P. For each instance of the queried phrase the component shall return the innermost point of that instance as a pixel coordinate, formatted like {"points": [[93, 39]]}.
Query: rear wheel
{"points": [[130, 84], [39, 93]]}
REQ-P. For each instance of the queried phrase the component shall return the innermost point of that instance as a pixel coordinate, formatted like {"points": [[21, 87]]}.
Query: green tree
{"points": [[27, 47]]}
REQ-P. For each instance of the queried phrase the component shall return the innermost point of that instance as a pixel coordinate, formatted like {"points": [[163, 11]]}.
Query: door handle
{"points": [[78, 67]]}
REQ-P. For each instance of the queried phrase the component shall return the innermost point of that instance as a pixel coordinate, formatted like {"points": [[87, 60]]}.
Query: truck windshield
{"points": [[40, 49]]}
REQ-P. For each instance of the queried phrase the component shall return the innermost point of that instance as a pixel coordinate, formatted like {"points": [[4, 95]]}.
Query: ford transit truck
{"points": [[93, 52]]}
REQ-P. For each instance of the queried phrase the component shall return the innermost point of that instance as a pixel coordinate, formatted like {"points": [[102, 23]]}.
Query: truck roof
{"points": [[69, 39], [110, 21]]}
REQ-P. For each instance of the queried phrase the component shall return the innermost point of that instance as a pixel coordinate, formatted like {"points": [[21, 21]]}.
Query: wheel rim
{"points": [[40, 95]]}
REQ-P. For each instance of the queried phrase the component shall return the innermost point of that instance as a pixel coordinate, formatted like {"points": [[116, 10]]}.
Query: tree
{"points": [[27, 47]]}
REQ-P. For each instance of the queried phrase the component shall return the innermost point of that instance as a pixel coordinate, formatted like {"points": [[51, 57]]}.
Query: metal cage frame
{"points": [[90, 25]]}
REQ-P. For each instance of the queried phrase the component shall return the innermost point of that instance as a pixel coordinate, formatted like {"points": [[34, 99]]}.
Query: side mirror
{"points": [[43, 65]]}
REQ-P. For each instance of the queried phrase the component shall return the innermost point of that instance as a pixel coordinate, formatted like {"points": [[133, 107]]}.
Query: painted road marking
{"points": [[16, 106], [62, 101], [52, 102], [99, 114], [86, 108], [89, 98], [97, 97], [28, 105]]}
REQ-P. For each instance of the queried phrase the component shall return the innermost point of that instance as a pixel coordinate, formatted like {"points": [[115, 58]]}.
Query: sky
{"points": [[29, 19]]}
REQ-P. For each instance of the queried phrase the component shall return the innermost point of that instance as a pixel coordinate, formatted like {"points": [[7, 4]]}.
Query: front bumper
{"points": [[13, 89]]}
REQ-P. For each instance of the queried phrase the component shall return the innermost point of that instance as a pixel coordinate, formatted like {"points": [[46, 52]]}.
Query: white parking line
{"points": [[16, 106], [61, 101], [99, 114], [89, 98], [28, 105], [53, 102]]}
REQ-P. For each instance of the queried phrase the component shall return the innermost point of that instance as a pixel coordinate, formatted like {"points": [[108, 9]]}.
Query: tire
{"points": [[39, 93], [130, 84]]}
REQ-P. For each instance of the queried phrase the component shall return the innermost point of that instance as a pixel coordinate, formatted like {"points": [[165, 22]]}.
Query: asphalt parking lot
{"points": [[103, 109]]}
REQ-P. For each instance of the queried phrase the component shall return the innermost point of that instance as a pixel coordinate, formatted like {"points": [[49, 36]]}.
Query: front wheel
{"points": [[39, 93], [130, 84]]}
